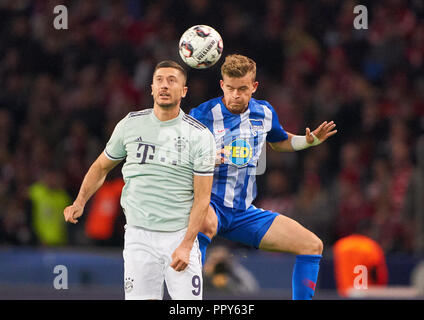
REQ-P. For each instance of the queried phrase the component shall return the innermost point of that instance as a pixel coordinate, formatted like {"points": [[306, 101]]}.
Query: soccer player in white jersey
{"points": [[168, 171], [241, 126]]}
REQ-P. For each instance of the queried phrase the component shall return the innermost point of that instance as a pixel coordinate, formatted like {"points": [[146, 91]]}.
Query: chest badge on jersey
{"points": [[239, 152], [256, 125], [180, 143]]}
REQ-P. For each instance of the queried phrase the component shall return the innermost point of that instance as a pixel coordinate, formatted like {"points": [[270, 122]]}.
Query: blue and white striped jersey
{"points": [[243, 135]]}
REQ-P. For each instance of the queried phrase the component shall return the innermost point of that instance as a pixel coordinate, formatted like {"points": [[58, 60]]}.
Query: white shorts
{"points": [[147, 256]]}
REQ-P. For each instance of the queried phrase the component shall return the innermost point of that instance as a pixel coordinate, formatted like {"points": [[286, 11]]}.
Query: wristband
{"points": [[299, 142]]}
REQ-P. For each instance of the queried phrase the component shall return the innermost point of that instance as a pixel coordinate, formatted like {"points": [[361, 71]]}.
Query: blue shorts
{"points": [[247, 227]]}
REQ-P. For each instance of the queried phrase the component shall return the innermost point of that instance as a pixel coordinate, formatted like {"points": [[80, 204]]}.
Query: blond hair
{"points": [[237, 66]]}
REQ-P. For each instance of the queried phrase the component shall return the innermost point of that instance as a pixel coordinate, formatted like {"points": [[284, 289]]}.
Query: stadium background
{"points": [[63, 91]]}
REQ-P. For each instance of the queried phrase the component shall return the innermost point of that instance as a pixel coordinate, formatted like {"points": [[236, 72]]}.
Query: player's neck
{"points": [[166, 113]]}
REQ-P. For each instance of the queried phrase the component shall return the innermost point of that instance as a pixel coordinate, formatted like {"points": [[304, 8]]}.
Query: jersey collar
{"points": [[168, 122]]}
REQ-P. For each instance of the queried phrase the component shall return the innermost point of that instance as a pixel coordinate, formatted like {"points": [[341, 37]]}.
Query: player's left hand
{"points": [[221, 156], [180, 258], [323, 132]]}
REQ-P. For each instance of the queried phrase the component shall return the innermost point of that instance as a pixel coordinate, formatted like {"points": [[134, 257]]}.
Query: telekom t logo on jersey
{"points": [[148, 151], [144, 149]]}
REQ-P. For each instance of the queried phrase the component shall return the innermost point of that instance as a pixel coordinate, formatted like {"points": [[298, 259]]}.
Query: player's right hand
{"points": [[73, 212], [323, 132], [180, 258]]}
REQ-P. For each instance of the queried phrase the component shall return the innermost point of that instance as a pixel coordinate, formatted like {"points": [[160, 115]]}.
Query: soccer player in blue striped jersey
{"points": [[241, 126]]}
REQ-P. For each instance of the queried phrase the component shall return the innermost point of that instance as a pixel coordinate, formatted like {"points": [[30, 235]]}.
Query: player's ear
{"points": [[151, 87], [221, 83], [185, 89], [255, 86]]}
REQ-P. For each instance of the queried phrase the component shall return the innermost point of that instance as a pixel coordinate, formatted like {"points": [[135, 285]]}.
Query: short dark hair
{"points": [[171, 64]]}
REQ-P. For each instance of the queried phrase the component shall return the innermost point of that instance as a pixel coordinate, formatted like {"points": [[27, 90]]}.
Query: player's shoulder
{"points": [[133, 117], [193, 122], [204, 107], [139, 113], [255, 103], [199, 133]]}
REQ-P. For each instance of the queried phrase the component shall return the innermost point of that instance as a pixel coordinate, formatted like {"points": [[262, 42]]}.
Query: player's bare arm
{"points": [[202, 186], [319, 135], [93, 180]]}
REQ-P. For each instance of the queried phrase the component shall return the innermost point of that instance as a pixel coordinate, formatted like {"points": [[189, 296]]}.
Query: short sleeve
{"points": [[204, 154], [277, 133], [115, 148]]}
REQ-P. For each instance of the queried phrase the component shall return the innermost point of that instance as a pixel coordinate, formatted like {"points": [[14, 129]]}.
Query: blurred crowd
{"points": [[63, 91]]}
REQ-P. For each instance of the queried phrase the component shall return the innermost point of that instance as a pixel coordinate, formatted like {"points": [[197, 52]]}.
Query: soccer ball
{"points": [[200, 46]]}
